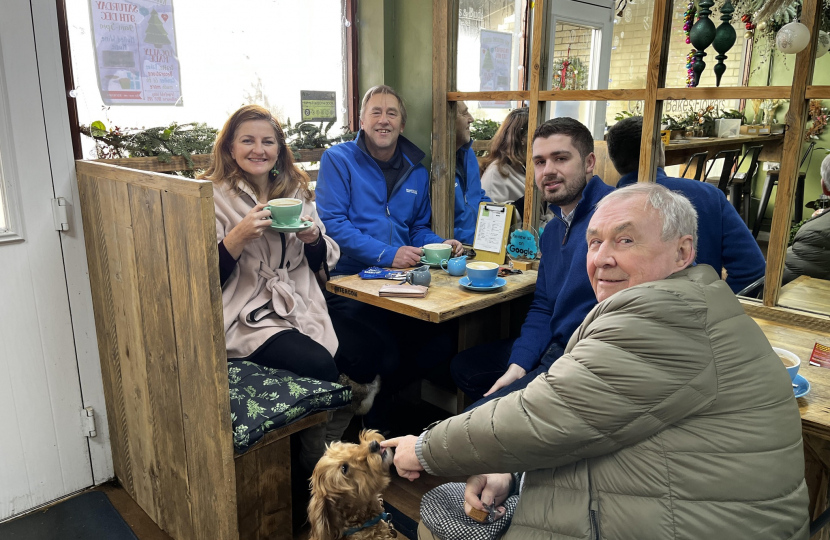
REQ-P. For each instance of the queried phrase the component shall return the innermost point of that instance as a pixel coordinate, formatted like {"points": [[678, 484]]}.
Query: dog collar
{"points": [[374, 521]]}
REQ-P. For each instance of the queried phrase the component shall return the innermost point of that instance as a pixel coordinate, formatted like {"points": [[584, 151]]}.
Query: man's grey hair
{"points": [[676, 211], [825, 172]]}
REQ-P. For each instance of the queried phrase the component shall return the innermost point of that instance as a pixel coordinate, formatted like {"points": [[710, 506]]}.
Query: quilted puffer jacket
{"points": [[810, 252], [668, 417]]}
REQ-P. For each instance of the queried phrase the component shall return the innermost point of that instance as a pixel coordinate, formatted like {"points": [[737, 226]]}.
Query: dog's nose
{"points": [[374, 447]]}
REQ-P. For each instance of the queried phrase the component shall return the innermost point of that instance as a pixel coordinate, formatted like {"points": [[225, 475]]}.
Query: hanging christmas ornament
{"points": [[688, 19], [702, 34], [724, 39], [792, 38], [823, 44]]}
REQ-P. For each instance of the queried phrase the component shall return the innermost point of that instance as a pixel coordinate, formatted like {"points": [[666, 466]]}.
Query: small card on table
{"points": [[820, 356]]}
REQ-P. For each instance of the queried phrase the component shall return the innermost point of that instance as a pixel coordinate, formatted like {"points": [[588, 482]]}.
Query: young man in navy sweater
{"points": [[563, 160], [724, 241]]}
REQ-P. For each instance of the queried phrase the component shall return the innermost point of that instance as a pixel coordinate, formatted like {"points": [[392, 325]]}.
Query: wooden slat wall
{"points": [[151, 245]]}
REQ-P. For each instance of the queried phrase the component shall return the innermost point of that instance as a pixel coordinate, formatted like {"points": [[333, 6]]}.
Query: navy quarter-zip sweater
{"points": [[723, 239], [563, 291], [352, 202]]}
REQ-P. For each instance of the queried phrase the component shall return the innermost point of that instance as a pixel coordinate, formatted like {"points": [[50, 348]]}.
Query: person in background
{"points": [[563, 160], [724, 240], [503, 178], [634, 431], [810, 253], [468, 190], [373, 197]]}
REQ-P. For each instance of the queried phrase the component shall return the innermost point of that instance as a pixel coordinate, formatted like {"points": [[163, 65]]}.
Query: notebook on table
{"points": [[404, 290]]}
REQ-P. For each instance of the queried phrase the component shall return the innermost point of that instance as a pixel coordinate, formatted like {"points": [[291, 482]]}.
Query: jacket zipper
{"points": [[567, 227], [593, 512], [389, 219]]}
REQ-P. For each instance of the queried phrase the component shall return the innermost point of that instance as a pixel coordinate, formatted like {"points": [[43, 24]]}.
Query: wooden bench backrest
{"points": [[154, 271]]}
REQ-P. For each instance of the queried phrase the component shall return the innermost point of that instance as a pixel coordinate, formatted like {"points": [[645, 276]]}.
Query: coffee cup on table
{"points": [[482, 274], [435, 253], [790, 361], [285, 212]]}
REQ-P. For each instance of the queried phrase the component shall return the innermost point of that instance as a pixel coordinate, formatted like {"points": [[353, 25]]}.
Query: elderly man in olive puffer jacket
{"points": [[668, 417]]}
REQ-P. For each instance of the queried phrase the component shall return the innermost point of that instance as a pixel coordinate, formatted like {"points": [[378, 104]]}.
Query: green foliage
{"points": [[673, 123], [622, 115], [483, 130], [732, 114], [255, 409], [164, 142]]}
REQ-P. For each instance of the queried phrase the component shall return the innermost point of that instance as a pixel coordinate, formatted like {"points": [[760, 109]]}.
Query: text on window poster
{"points": [[494, 64], [135, 48]]}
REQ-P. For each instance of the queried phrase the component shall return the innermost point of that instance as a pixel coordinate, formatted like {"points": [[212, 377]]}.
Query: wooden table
{"points": [[482, 316], [806, 293], [814, 409], [678, 153]]}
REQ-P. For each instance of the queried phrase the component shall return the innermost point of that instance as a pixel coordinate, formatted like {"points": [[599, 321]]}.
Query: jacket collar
{"points": [[410, 152], [631, 178], [464, 148]]}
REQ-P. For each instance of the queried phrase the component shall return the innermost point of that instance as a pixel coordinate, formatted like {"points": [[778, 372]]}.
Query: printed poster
{"points": [[135, 52], [494, 66]]}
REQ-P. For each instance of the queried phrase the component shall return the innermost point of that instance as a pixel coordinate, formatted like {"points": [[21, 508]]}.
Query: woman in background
{"points": [[504, 166]]}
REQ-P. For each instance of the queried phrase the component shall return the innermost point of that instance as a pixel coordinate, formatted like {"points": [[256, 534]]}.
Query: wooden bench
{"points": [[154, 272]]}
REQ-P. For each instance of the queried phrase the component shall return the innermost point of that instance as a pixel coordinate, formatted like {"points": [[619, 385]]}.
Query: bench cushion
{"points": [[264, 399]]}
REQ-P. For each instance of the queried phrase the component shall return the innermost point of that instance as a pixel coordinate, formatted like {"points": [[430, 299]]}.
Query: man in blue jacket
{"points": [[373, 197], [468, 190], [563, 159], [724, 241], [373, 193]]}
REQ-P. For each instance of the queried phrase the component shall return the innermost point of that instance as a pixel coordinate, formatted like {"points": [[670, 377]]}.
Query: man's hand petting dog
{"points": [[406, 462]]}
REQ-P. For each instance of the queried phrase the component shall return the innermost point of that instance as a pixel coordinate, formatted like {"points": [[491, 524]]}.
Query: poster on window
{"points": [[494, 65], [135, 50]]}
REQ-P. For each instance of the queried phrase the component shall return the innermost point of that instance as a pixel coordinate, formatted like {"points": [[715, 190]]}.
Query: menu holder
{"points": [[492, 232]]}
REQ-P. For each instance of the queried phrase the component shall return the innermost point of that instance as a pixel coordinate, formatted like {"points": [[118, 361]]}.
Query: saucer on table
{"points": [[498, 284], [298, 226], [431, 265], [803, 387]]}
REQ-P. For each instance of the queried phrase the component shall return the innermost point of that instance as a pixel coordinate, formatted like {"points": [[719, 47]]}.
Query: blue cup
{"points": [[482, 274], [455, 266], [790, 360]]}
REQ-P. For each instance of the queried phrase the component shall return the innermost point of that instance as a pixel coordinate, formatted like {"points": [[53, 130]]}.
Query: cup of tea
{"points": [[419, 276], [790, 361], [434, 253], [285, 212], [482, 274], [455, 266]]}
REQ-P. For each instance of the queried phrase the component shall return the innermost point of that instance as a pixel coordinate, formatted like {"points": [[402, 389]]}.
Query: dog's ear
{"points": [[324, 519]]}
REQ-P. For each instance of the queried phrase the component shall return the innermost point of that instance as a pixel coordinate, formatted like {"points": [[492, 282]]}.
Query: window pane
{"points": [[227, 57], [490, 45], [630, 45], [4, 226]]}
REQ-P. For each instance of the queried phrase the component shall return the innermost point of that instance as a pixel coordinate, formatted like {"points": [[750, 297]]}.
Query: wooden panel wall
{"points": [[151, 245]]}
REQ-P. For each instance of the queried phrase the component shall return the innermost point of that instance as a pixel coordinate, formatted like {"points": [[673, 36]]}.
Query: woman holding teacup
{"points": [[271, 270]]}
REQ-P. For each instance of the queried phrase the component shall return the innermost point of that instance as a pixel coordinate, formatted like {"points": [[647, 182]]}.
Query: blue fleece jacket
{"points": [[468, 194], [563, 292], [723, 240], [352, 203]]}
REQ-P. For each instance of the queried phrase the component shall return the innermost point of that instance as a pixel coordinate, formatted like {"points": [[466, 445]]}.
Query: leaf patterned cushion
{"points": [[264, 399]]}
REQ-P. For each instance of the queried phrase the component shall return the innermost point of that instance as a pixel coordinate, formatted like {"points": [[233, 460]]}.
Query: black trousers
{"points": [[297, 353]]}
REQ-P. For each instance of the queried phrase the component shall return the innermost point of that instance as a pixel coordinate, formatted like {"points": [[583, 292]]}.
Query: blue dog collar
{"points": [[374, 521]]}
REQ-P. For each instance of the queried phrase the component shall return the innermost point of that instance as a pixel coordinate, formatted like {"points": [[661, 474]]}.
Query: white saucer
{"points": [[303, 225], [465, 282]]}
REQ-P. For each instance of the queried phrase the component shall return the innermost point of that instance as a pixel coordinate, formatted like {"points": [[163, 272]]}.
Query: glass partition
{"points": [[490, 52]]}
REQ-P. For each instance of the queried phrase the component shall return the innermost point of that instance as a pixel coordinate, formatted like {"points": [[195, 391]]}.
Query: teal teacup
{"points": [[285, 212], [482, 274], [435, 253], [455, 266]]}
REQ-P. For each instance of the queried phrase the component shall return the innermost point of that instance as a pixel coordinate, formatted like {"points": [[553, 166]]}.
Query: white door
{"points": [[581, 32], [44, 454]]}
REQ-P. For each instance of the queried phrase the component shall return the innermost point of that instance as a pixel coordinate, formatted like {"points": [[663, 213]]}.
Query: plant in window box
{"points": [[483, 129]]}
